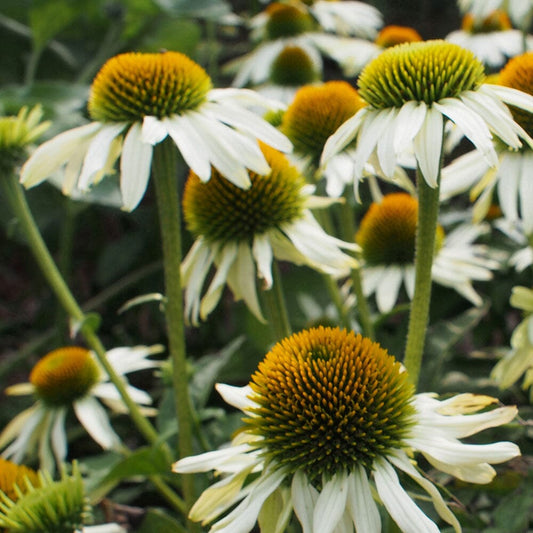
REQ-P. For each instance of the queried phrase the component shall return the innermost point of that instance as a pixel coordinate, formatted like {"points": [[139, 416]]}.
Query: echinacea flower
{"points": [[42, 505], [136, 101], [511, 177], [13, 475], [387, 238], [330, 418], [17, 133], [241, 231], [292, 24], [66, 378], [411, 90], [519, 10], [313, 116], [492, 39], [518, 360]]}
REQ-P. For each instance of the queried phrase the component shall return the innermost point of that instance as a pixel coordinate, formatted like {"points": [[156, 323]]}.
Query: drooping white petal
{"points": [[398, 503], [428, 145], [21, 430], [46, 456], [509, 96], [263, 254], [460, 175], [304, 497], [389, 288], [131, 359], [58, 436], [361, 504], [471, 124], [526, 192], [509, 175], [96, 422], [343, 136], [411, 117], [331, 503], [238, 397], [214, 460], [108, 391], [225, 260], [135, 165], [153, 130], [52, 154]]}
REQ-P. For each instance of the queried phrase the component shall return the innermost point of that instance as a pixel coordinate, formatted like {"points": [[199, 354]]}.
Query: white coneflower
{"points": [[330, 419], [241, 231], [136, 101], [519, 10], [71, 377], [412, 89], [387, 239]]}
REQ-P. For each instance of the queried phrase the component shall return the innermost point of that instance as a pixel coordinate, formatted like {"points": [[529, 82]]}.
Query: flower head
{"points": [[492, 38], [393, 35], [386, 236], [411, 89], [71, 377], [136, 101], [519, 10], [17, 134], [14, 479], [330, 418], [240, 230]]}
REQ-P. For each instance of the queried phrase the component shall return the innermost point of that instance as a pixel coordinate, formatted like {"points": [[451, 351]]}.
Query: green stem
{"points": [[348, 231], [428, 210], [15, 195], [278, 317], [164, 174]]}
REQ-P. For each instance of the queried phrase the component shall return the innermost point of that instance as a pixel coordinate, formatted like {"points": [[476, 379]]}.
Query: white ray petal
{"points": [[96, 422], [135, 165], [58, 436], [507, 186], [153, 130], [388, 289], [411, 117], [262, 251], [304, 497], [361, 505], [330, 504], [428, 145]]}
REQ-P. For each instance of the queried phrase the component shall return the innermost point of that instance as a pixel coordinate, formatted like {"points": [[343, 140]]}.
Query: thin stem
{"points": [[164, 174], [348, 230], [276, 307], [428, 210], [15, 195]]}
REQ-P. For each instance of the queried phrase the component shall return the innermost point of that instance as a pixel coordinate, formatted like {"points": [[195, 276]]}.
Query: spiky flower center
{"points": [[316, 113], [64, 375], [329, 400], [16, 133], [495, 21], [48, 507], [388, 230], [422, 72], [134, 85], [12, 474], [293, 67], [220, 211], [518, 74], [287, 21], [393, 35]]}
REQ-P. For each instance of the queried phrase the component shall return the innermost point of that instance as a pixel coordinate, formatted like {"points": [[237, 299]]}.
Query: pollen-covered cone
{"points": [[240, 232], [330, 419], [136, 101]]}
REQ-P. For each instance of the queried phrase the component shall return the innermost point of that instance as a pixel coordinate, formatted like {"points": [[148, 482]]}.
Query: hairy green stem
{"points": [[274, 299], [428, 210], [164, 174]]}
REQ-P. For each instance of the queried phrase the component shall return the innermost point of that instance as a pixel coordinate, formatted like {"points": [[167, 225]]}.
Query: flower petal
{"points": [[428, 145], [361, 504], [330, 504], [96, 422]]}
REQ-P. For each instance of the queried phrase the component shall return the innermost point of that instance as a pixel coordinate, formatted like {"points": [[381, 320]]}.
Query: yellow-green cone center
{"points": [[329, 400], [220, 211], [134, 85], [316, 113], [518, 74], [64, 375], [387, 231], [12, 474], [292, 68], [422, 72], [287, 21]]}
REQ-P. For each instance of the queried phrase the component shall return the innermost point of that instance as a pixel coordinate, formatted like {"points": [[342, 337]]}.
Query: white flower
{"points": [[210, 127], [387, 235], [241, 232], [519, 10], [522, 258], [316, 461], [409, 106], [72, 377]]}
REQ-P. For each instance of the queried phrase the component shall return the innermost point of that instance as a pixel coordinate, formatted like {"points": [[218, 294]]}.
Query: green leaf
{"points": [[513, 513], [156, 520], [207, 370]]}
